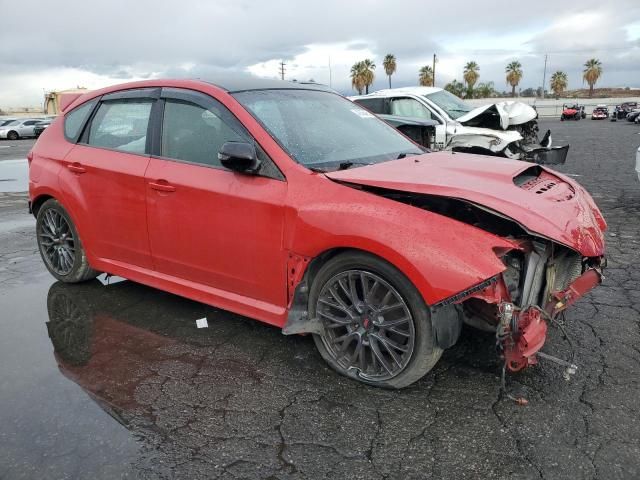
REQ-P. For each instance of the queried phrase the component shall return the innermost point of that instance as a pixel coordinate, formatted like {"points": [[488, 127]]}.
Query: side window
{"points": [[28, 123], [195, 134], [74, 120], [121, 125], [376, 105], [408, 107]]}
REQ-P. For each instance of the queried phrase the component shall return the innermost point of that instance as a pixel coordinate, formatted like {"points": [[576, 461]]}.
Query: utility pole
{"points": [[544, 75], [282, 70], [433, 80]]}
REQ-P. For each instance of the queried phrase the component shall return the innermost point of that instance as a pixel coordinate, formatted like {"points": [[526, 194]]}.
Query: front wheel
{"points": [[60, 245], [376, 326], [13, 135]]}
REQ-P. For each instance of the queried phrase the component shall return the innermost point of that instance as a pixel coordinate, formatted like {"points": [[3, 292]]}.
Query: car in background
{"points": [[21, 128], [600, 112], [505, 129], [572, 112], [6, 121], [632, 115], [40, 127]]}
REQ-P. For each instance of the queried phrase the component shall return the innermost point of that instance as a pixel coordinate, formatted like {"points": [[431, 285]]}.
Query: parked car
{"points": [[507, 129], [40, 127], [6, 121], [21, 128], [600, 112], [290, 204], [572, 112], [631, 116]]}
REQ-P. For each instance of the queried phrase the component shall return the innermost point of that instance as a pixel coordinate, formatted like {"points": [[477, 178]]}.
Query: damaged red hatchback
{"points": [[290, 204]]}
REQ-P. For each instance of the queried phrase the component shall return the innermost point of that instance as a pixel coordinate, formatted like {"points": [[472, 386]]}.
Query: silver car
{"points": [[19, 128]]}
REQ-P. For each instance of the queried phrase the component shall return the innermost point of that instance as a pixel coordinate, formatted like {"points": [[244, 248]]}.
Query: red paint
{"points": [[581, 285], [243, 243], [521, 347]]}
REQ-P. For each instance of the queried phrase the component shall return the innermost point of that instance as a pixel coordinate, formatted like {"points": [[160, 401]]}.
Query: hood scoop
{"points": [[545, 184]]}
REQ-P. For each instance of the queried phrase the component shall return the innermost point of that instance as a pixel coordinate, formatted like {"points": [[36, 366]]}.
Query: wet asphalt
{"points": [[117, 382]]}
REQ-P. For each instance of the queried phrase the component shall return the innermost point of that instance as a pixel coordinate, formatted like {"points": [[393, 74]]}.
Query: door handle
{"points": [[75, 167], [162, 186]]}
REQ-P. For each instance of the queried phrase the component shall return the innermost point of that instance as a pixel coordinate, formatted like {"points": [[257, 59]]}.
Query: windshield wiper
{"points": [[348, 164]]}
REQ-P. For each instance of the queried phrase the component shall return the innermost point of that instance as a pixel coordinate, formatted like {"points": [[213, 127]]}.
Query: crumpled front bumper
{"points": [[546, 155], [523, 333]]}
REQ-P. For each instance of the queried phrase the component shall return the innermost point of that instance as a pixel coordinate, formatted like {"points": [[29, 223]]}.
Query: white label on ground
{"points": [[202, 323]]}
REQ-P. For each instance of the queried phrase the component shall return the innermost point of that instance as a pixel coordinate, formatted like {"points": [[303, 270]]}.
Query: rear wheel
{"points": [[376, 326], [13, 135], [60, 245]]}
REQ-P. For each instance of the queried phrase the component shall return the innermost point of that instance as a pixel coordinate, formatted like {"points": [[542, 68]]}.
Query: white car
{"points": [[20, 128], [638, 163], [508, 129]]}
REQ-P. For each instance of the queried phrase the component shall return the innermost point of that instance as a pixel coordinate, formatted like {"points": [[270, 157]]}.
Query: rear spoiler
{"points": [[67, 99]]}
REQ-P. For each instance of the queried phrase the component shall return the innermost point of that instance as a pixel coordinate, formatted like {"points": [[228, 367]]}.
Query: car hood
{"points": [[499, 115], [542, 201]]}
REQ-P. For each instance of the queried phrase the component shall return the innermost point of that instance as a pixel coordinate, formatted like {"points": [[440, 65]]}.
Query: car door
{"points": [[208, 224], [26, 129], [410, 107], [103, 177]]}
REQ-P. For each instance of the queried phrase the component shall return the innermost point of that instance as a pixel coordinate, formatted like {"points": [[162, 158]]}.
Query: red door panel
{"points": [[218, 228], [105, 189]]}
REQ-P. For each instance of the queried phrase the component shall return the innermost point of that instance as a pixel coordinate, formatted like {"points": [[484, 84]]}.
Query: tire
{"points": [[366, 336], [60, 245], [562, 118], [13, 135]]}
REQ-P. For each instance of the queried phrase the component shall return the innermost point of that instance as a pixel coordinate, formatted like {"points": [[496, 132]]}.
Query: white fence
{"points": [[553, 108]]}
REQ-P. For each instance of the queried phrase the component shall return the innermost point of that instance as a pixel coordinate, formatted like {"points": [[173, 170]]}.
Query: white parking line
{"points": [[572, 175]]}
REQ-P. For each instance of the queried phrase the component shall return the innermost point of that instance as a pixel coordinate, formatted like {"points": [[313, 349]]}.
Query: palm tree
{"points": [[471, 75], [357, 77], [425, 77], [514, 75], [455, 87], [485, 90], [367, 71], [559, 82], [389, 64], [591, 73]]}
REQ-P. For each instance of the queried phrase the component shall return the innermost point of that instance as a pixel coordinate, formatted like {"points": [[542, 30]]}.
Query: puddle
{"points": [[14, 176]]}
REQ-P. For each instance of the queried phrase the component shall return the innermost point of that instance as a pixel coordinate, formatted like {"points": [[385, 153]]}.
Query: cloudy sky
{"points": [[56, 45]]}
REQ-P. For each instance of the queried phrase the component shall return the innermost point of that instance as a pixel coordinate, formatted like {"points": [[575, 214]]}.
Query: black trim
{"points": [[154, 131], [152, 93]]}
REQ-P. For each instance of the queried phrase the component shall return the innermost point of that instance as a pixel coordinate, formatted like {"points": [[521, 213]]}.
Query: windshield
{"points": [[324, 130], [452, 105], [11, 123]]}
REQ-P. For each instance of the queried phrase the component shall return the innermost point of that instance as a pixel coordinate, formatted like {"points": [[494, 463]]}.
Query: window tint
{"points": [[408, 107], [195, 134], [376, 105], [30, 122], [75, 119], [121, 125]]}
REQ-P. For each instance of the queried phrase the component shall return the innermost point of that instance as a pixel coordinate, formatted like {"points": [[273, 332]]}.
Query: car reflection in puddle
{"points": [[138, 354]]}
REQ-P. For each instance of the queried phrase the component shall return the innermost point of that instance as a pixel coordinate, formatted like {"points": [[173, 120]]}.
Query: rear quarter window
{"points": [[75, 120]]}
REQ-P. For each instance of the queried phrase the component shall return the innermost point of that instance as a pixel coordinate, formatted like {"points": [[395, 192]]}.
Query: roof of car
{"points": [[389, 92], [241, 83]]}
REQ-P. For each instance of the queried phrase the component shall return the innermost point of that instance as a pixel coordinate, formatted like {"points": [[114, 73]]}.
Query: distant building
{"points": [[52, 99]]}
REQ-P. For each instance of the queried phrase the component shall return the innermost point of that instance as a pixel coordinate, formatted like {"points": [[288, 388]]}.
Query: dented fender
{"points": [[440, 256]]}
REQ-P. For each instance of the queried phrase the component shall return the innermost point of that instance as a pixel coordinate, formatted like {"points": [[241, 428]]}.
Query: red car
{"points": [[290, 204]]}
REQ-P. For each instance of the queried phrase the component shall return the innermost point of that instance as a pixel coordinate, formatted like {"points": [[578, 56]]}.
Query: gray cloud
{"points": [[126, 39]]}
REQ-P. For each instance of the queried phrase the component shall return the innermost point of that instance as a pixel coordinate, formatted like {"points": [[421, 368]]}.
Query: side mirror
{"points": [[239, 157]]}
